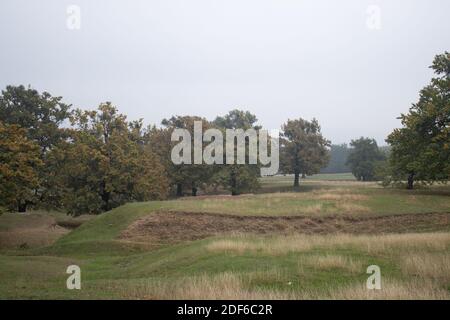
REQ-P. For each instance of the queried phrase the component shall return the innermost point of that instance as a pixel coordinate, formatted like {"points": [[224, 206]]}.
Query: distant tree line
{"points": [[92, 161], [338, 159]]}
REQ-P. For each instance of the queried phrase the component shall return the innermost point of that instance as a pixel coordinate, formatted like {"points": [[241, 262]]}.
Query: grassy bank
{"points": [[414, 263]]}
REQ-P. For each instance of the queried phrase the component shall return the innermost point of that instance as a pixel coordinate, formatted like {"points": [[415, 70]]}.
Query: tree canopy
{"points": [[90, 161], [103, 166], [363, 158], [19, 165], [303, 148], [40, 114], [238, 178], [420, 150], [184, 175], [94, 165]]}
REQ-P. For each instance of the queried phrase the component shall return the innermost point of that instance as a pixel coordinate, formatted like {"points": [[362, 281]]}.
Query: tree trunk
{"points": [[105, 198], [296, 179], [410, 181], [179, 190], [22, 207], [234, 190], [194, 191]]}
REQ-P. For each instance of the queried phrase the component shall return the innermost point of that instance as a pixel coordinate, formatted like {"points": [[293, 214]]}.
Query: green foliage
{"points": [[364, 158], [39, 113], [421, 148], [237, 119], [303, 149], [104, 161], [238, 178], [19, 165], [192, 176], [103, 166]]}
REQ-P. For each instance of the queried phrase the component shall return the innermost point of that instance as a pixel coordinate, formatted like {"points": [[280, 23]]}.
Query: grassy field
{"points": [[314, 243]]}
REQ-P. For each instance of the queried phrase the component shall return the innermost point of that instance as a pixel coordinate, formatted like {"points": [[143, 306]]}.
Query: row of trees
{"points": [[92, 161], [303, 150], [340, 153], [93, 165]]}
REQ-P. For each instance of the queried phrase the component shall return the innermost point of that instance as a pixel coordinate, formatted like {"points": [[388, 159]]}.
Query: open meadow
{"points": [[312, 243]]}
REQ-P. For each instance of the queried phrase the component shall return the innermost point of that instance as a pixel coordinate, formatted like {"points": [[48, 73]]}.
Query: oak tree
{"points": [[303, 148], [420, 149], [19, 166], [364, 158]]}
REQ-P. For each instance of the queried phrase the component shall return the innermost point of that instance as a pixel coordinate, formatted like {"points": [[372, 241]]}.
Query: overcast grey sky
{"points": [[279, 59]]}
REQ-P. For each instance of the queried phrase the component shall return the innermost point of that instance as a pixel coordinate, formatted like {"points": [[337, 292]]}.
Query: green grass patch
{"points": [[249, 266]]}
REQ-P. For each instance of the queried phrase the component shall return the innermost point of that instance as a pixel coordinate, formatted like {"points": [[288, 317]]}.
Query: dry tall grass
{"points": [[231, 286], [226, 286], [329, 261], [415, 289], [29, 238], [276, 246], [336, 200], [337, 196], [431, 265], [371, 244], [352, 208], [424, 259]]}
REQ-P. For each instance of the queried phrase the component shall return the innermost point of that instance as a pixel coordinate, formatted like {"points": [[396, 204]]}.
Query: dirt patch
{"points": [[172, 227]]}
